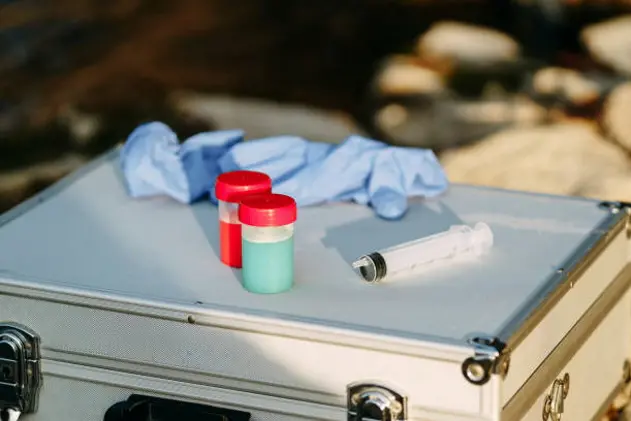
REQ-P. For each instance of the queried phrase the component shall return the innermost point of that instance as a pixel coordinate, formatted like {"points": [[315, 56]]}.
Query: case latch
{"points": [[20, 372], [553, 406], [373, 402]]}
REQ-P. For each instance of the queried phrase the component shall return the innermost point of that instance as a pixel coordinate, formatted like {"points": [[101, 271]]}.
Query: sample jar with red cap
{"points": [[267, 223], [230, 189]]}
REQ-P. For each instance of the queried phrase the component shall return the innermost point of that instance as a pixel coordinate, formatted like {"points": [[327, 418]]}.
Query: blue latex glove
{"points": [[154, 163], [359, 169], [399, 173], [363, 170]]}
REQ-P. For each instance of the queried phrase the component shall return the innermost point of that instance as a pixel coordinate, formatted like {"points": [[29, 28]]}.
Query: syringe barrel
{"points": [[457, 241]]}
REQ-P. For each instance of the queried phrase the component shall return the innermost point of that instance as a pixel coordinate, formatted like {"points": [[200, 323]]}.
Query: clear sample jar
{"points": [[230, 189], [268, 242]]}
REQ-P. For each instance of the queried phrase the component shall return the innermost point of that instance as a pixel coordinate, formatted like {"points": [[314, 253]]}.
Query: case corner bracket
{"points": [[491, 357]]}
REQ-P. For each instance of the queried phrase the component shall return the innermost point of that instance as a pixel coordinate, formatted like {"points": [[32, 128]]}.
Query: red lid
{"points": [[233, 186], [267, 210]]}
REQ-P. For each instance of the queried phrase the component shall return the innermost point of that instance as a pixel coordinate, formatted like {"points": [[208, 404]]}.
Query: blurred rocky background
{"points": [[524, 94]]}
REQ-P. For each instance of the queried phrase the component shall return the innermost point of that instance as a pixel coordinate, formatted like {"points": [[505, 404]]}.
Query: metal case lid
{"points": [[86, 236]]}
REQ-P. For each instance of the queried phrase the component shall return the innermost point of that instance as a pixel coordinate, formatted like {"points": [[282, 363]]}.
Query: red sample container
{"points": [[230, 189]]}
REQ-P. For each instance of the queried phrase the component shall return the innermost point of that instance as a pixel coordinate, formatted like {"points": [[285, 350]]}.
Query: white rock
{"points": [[262, 118], [616, 117], [454, 41], [519, 111], [558, 159], [404, 75], [82, 126], [391, 116], [566, 82], [609, 43], [446, 122], [612, 188]]}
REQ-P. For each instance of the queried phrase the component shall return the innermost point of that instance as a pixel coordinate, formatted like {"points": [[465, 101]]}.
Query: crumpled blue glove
{"points": [[363, 170], [154, 163]]}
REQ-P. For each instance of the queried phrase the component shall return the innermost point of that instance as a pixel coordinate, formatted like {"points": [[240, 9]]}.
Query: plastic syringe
{"points": [[459, 240]]}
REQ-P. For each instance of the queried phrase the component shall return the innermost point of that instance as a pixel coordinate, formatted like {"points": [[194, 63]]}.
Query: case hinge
{"points": [[373, 402], [20, 370], [490, 358], [553, 406]]}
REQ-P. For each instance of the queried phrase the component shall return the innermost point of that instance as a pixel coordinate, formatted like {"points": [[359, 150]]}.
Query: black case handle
{"points": [[146, 408]]}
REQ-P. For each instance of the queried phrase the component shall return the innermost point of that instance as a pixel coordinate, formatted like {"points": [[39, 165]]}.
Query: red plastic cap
{"points": [[233, 186], [268, 210]]}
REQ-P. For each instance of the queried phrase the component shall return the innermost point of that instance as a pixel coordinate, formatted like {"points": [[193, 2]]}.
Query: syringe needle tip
{"points": [[360, 263]]}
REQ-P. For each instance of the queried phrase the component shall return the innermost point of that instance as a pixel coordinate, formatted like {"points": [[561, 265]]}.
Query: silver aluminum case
{"points": [[128, 295]]}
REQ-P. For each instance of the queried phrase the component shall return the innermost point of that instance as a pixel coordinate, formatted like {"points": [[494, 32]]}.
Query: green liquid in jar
{"points": [[268, 268]]}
